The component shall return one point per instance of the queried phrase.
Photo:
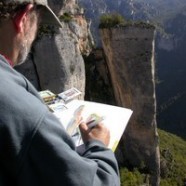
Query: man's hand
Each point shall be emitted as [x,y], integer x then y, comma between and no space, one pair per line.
[98,132]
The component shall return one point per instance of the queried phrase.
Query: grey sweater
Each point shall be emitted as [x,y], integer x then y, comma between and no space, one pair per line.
[35,150]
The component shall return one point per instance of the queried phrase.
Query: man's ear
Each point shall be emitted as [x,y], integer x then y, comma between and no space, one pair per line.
[20,18]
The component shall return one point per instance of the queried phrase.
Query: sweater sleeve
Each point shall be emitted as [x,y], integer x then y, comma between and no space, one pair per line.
[51,159]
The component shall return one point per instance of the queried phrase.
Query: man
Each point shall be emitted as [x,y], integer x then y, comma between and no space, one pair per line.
[34,148]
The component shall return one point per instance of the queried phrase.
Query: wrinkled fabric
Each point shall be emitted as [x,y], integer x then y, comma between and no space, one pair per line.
[35,150]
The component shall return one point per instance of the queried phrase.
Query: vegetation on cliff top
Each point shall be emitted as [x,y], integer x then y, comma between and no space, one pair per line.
[173,164]
[117,20]
[66,17]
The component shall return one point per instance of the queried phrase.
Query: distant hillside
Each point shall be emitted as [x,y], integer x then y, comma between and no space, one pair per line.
[147,10]
[173,164]
[173,159]
[171,68]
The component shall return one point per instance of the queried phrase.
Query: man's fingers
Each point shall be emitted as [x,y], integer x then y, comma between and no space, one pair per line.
[83,127]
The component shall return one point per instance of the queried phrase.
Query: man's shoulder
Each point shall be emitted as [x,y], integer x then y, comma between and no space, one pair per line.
[9,80]
[17,102]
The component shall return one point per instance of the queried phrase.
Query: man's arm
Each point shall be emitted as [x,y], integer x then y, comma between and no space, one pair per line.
[52,160]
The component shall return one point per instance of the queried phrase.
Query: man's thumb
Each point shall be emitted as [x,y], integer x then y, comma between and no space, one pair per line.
[83,127]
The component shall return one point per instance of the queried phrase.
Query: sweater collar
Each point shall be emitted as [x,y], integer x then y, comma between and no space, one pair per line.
[7,60]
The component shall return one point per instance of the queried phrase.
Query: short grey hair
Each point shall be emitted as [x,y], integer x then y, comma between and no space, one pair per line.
[7,10]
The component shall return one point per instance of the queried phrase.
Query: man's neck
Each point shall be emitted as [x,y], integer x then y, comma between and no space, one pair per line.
[7,42]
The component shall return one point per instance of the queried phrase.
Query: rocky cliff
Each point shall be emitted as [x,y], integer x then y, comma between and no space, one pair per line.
[55,61]
[130,59]
[169,16]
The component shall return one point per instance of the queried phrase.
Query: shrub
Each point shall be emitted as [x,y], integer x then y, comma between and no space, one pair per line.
[111,20]
[66,17]
[131,178]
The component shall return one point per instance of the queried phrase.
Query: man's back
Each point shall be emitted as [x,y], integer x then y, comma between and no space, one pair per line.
[35,149]
[20,112]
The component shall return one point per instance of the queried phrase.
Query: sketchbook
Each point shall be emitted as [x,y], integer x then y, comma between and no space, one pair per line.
[115,118]
[67,108]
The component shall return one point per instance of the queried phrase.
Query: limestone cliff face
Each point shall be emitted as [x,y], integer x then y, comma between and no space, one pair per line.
[56,61]
[130,59]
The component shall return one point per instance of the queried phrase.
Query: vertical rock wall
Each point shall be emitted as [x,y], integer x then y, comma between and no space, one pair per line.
[130,59]
[56,62]
[59,62]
